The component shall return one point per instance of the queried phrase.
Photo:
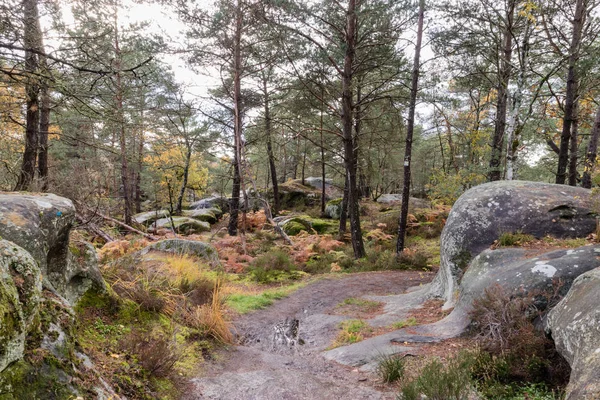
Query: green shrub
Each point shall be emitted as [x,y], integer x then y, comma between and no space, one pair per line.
[272,266]
[439,382]
[390,368]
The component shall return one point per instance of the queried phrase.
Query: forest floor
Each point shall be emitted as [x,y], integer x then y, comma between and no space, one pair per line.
[259,369]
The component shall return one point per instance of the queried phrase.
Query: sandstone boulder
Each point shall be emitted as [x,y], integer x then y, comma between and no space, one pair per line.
[210,215]
[333,209]
[482,214]
[40,224]
[20,294]
[575,327]
[183,225]
[148,217]
[214,201]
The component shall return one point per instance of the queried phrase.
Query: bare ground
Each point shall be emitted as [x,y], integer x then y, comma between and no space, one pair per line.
[259,369]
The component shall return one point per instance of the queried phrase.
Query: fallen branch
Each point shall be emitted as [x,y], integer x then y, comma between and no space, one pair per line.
[128,227]
[93,228]
[121,224]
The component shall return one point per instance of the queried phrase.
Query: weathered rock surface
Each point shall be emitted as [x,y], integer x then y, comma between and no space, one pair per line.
[20,292]
[183,225]
[148,217]
[40,224]
[317,182]
[188,247]
[575,327]
[210,215]
[296,224]
[211,202]
[333,209]
[515,270]
[485,212]
[413,202]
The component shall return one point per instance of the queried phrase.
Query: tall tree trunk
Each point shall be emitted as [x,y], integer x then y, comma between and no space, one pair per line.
[44,117]
[122,134]
[565,137]
[272,168]
[237,124]
[514,129]
[43,139]
[322,157]
[495,172]
[573,146]
[344,209]
[186,173]
[347,133]
[140,166]
[409,132]
[31,41]
[592,150]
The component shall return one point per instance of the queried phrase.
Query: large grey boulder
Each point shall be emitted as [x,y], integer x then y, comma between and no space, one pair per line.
[41,224]
[519,273]
[210,215]
[214,201]
[394,198]
[482,214]
[183,225]
[148,217]
[333,209]
[185,247]
[317,182]
[515,270]
[575,327]
[20,294]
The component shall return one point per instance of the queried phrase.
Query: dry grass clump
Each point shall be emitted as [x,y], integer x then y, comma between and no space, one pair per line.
[156,354]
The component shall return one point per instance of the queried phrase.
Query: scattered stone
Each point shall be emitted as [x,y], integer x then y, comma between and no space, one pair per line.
[575,327]
[482,214]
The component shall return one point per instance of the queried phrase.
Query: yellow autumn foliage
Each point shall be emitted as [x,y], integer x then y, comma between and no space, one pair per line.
[167,167]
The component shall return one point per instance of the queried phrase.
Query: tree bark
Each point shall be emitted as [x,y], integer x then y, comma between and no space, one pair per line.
[44,117]
[495,172]
[186,173]
[347,132]
[565,137]
[322,159]
[514,129]
[122,133]
[592,150]
[573,146]
[409,132]
[268,133]
[32,88]
[237,124]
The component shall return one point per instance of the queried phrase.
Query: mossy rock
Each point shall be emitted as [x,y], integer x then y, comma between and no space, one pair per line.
[333,208]
[147,218]
[20,293]
[183,225]
[295,225]
[210,215]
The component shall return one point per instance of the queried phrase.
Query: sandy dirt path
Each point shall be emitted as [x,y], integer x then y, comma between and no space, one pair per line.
[259,369]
